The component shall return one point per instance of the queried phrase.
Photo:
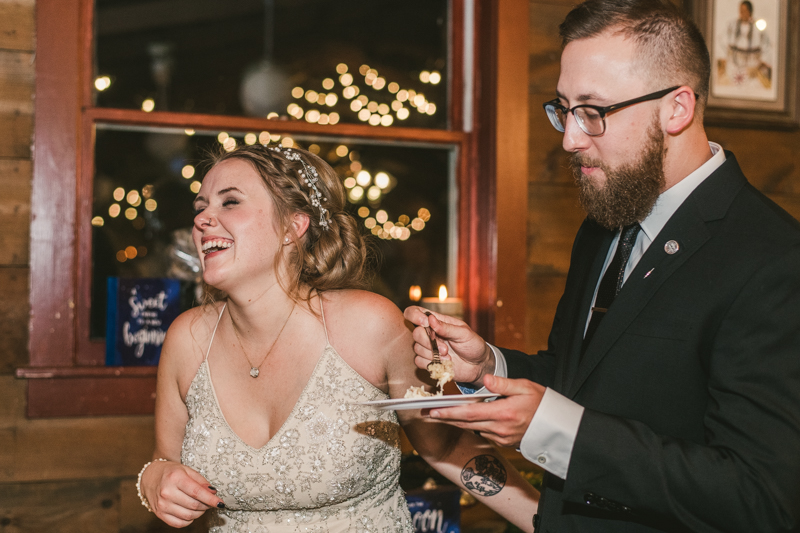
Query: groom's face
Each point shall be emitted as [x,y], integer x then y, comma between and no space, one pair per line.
[620,172]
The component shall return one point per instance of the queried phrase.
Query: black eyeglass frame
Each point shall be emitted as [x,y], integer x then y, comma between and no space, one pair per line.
[601,110]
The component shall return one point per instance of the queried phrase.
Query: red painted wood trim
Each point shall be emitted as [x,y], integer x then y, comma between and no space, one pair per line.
[456,71]
[135,117]
[52,294]
[91,396]
[85,372]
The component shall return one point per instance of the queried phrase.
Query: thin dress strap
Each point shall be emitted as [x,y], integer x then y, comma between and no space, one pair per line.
[322,311]
[215,330]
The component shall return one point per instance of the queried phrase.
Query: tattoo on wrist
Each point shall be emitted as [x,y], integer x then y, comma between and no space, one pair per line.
[484,475]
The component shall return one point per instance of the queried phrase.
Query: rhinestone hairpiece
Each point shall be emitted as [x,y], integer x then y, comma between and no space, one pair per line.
[310,177]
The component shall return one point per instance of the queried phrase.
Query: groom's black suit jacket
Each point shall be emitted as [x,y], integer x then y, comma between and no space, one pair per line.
[691,384]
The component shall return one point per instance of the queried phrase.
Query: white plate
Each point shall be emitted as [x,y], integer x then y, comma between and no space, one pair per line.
[430,402]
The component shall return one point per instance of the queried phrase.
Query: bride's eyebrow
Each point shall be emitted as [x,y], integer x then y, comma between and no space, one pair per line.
[229,189]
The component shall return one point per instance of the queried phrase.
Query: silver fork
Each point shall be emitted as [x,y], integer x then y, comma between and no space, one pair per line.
[434,347]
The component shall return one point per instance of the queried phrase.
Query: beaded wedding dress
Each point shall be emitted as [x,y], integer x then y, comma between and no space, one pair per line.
[332,467]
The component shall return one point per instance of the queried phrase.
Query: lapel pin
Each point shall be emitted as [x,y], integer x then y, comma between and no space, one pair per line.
[671,247]
[649,272]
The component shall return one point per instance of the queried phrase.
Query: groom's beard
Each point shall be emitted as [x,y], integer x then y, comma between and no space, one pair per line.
[630,191]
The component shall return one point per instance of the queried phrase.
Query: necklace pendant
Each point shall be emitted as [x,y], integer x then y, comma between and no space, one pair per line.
[254,372]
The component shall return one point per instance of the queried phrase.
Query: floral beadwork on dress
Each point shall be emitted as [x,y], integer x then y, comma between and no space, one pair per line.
[333,465]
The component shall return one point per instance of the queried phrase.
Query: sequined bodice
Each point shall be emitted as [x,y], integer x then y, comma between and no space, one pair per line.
[333,466]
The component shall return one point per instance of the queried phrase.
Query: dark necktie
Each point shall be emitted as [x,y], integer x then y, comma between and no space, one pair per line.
[612,280]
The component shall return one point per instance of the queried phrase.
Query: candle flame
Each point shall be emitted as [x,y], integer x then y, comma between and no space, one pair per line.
[415,293]
[442,293]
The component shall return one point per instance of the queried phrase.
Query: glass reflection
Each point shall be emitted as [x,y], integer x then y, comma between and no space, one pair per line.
[299,59]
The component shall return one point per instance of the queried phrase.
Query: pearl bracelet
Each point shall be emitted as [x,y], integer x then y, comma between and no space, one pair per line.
[139,483]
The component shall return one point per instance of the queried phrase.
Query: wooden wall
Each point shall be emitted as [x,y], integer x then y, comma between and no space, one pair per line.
[770,160]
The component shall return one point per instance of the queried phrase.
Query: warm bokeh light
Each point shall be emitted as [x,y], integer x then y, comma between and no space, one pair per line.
[373,193]
[313,148]
[383,109]
[272,114]
[403,113]
[98,222]
[356,105]
[333,118]
[393,87]
[442,293]
[147,191]
[195,187]
[370,223]
[363,69]
[341,68]
[363,178]
[417,224]
[312,96]
[331,99]
[229,145]
[761,24]
[102,83]
[382,180]
[222,137]
[119,194]
[114,210]
[131,252]
[363,211]
[342,150]
[374,120]
[356,193]
[403,219]
[424,214]
[187,171]
[287,142]
[189,131]
[387,120]
[350,182]
[323,118]
[373,107]
[435,78]
[298,92]
[121,256]
[349,92]
[364,115]
[131,213]
[415,293]
[151,205]
[424,76]
[402,95]
[379,83]
[133,198]
[148,105]
[327,84]
[381,216]
[250,139]
[312,115]
[263,137]
[321,98]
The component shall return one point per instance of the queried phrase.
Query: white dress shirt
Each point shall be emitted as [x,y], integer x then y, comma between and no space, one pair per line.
[551,435]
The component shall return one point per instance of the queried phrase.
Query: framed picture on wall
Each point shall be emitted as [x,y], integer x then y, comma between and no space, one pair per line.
[754,61]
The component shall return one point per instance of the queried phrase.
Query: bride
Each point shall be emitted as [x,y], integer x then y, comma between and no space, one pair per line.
[258,413]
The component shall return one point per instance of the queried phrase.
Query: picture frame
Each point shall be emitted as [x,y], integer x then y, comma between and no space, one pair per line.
[755,77]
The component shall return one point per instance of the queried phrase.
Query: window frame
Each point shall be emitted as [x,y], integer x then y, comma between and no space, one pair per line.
[66,373]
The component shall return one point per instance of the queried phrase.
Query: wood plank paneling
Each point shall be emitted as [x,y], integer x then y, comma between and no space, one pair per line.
[15,212]
[13,318]
[16,25]
[554,219]
[89,507]
[16,130]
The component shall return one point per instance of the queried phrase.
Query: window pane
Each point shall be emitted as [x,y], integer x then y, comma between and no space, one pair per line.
[325,61]
[145,181]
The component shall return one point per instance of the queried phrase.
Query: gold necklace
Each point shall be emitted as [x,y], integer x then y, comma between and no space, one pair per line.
[254,369]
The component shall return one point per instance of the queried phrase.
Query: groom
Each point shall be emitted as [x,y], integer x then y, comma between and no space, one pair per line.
[668,398]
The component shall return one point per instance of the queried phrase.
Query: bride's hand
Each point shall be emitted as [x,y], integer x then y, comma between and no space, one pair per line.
[177,494]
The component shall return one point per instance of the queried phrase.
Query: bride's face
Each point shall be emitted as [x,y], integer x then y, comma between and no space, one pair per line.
[236,230]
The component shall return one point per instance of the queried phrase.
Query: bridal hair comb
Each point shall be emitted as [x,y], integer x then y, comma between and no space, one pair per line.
[310,177]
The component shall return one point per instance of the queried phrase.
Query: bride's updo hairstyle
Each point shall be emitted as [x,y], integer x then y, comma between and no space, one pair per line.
[331,254]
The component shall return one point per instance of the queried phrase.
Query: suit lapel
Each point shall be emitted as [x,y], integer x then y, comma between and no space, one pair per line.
[688,228]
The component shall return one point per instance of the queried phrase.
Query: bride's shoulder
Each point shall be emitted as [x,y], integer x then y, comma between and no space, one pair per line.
[364,312]
[190,333]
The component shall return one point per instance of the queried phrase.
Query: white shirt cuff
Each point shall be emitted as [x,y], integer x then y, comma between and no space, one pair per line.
[549,439]
[500,369]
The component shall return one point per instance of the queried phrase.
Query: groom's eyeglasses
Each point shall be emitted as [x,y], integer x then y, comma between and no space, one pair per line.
[592,118]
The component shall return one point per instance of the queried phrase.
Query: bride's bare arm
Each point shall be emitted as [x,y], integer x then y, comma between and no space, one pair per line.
[457,454]
[177,494]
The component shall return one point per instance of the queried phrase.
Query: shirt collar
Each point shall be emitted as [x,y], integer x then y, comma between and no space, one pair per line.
[670,200]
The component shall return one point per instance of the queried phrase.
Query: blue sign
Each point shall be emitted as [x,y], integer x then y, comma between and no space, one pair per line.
[139,311]
[436,510]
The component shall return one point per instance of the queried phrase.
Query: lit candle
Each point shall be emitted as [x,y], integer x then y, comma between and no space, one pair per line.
[444,305]
[414,293]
